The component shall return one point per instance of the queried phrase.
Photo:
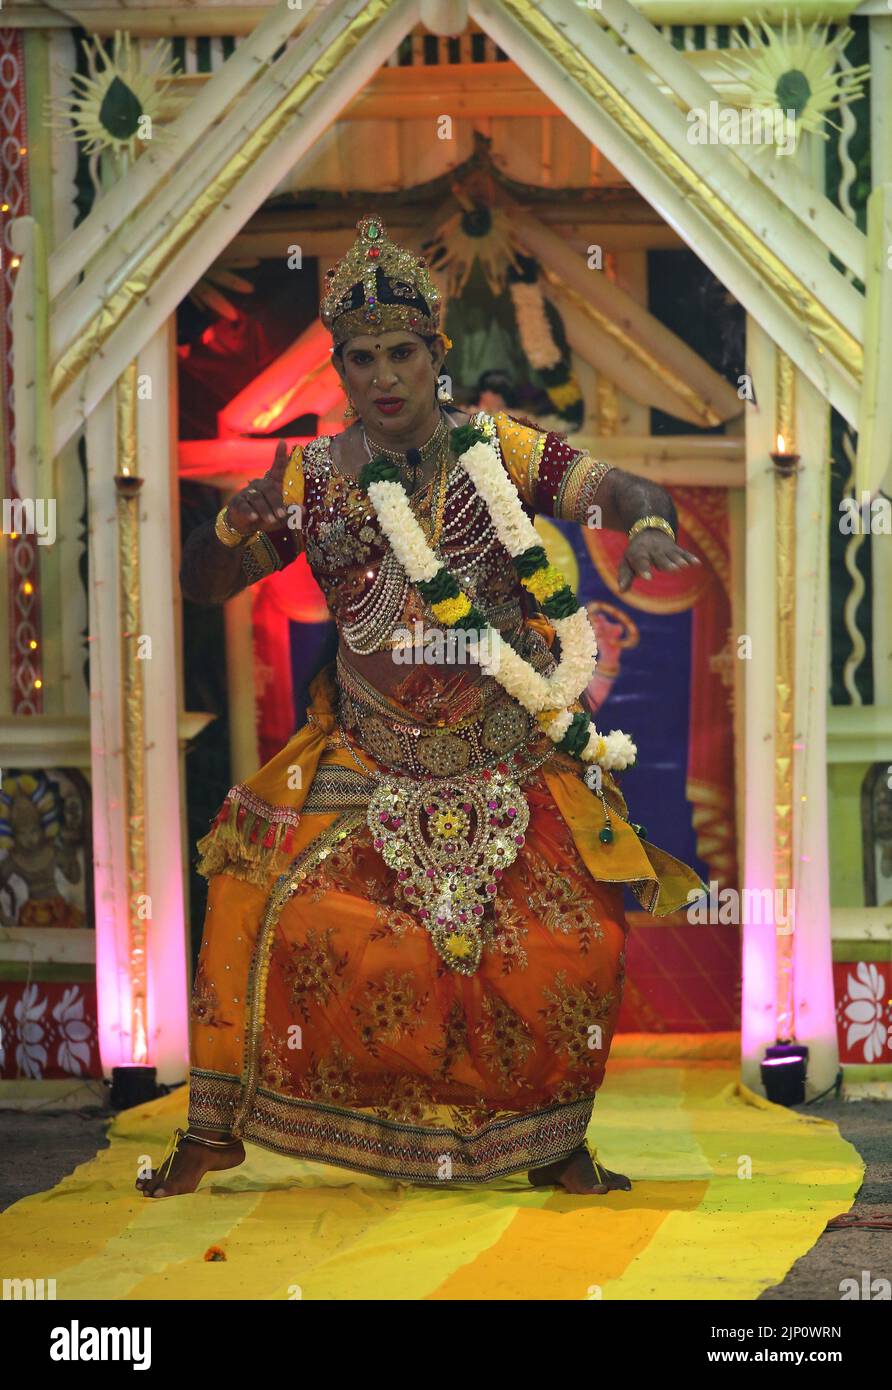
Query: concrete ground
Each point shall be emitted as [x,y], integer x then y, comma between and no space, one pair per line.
[37,1148]
[846,1254]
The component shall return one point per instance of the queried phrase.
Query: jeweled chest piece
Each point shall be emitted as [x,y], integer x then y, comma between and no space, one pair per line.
[450,843]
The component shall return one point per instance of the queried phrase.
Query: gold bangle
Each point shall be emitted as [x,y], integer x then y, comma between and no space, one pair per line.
[645,522]
[226,532]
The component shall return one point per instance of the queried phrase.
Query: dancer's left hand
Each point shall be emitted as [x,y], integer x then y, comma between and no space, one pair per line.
[651,549]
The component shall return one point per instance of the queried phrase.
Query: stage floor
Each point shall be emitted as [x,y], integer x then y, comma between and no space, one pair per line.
[690,1229]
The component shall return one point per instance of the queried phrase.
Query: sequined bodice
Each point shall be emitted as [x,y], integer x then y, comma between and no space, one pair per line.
[368,593]
[346,548]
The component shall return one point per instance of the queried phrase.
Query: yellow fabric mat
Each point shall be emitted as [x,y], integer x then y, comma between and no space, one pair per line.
[691,1228]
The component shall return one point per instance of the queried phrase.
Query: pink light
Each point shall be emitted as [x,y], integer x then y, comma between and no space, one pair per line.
[758,947]
[212,458]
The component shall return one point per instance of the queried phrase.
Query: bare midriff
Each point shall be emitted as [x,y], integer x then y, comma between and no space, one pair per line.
[434,693]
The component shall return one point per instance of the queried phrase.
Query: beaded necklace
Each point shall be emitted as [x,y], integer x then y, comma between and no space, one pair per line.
[433,448]
[373,615]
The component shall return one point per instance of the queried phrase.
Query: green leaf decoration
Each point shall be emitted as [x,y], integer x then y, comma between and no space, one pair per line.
[465,437]
[530,560]
[562,604]
[443,585]
[473,621]
[120,111]
[378,470]
[576,737]
[793,91]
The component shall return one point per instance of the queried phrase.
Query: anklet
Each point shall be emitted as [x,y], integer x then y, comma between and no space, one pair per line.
[211,1143]
[174,1145]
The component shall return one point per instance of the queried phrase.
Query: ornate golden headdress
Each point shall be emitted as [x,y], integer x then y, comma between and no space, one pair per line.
[379,286]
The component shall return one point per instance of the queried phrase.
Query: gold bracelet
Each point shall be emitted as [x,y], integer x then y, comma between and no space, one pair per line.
[226,533]
[644,522]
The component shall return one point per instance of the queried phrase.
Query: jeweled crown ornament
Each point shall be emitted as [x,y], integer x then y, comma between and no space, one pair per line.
[379,286]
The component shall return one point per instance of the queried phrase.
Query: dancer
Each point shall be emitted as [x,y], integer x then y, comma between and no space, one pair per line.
[413,955]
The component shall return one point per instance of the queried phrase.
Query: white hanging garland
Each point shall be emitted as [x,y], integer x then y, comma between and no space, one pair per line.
[548,698]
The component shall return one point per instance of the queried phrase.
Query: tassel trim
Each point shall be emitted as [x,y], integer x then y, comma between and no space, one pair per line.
[249,839]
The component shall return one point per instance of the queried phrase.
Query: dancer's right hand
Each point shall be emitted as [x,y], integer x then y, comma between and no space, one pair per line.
[260,506]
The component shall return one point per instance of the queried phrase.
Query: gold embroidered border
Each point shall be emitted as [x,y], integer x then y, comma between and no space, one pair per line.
[285,885]
[364,1142]
[213,1100]
[533,468]
[578,488]
[336,788]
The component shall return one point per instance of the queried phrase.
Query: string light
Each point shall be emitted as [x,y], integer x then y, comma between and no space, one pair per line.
[27,588]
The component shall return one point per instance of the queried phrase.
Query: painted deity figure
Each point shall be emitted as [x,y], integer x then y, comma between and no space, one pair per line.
[40,839]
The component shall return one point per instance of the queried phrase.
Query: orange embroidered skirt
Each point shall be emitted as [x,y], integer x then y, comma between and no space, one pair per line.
[325,1024]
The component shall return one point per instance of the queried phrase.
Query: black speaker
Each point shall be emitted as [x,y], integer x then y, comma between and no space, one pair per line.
[783,1073]
[132,1086]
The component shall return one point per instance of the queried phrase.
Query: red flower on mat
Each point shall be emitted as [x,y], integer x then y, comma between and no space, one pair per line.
[214,1253]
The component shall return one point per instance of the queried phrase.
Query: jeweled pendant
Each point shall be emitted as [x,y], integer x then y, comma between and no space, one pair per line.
[460,949]
[450,841]
[593,777]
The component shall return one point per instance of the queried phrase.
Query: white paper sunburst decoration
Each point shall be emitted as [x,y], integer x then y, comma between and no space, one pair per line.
[797,70]
[476,233]
[116,106]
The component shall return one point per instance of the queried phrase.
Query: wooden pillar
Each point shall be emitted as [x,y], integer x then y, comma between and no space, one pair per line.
[814,1008]
[814,1018]
[167,1007]
[106,765]
[167,937]
[881,172]
[757,939]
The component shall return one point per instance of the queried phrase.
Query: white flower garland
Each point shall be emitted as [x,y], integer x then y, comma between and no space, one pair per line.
[536,337]
[407,540]
[579,649]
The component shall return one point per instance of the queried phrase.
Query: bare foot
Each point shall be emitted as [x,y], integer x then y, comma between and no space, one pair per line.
[581,1176]
[185,1170]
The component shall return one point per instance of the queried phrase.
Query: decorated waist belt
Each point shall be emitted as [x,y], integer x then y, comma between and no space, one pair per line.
[455,820]
[427,751]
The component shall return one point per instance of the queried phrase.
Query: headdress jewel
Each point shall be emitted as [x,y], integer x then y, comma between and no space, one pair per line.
[379,286]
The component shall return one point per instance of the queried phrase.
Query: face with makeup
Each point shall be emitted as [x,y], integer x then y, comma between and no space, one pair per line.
[392,380]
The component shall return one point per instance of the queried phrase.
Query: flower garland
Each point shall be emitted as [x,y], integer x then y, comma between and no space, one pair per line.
[537,340]
[552,699]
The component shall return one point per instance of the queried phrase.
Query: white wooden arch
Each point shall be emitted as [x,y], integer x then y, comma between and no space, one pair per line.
[761,229]
[104,297]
